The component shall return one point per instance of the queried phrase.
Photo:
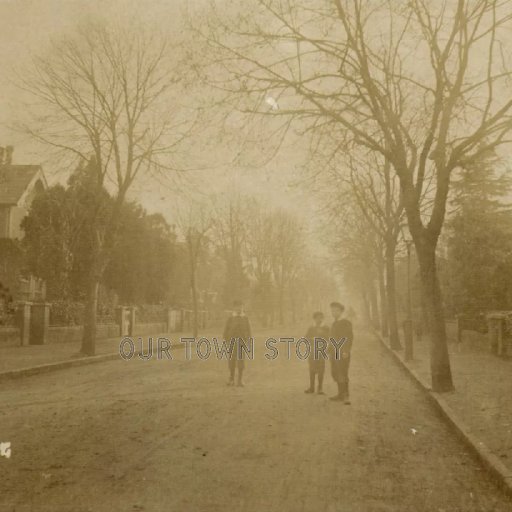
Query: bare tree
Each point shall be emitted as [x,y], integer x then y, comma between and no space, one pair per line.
[287,253]
[377,196]
[104,95]
[229,233]
[195,222]
[260,239]
[358,253]
[424,84]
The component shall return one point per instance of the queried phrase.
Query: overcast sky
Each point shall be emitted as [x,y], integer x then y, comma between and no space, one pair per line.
[26,27]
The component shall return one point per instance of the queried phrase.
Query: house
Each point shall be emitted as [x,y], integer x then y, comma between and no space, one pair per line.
[19,184]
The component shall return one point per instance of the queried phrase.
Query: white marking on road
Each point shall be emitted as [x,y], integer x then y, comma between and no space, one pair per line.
[5,450]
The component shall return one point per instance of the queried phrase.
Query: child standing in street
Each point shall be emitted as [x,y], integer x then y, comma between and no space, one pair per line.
[316,361]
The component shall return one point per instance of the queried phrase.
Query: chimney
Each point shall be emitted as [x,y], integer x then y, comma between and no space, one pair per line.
[9,150]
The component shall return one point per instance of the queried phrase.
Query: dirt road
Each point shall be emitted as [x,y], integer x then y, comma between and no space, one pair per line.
[171,436]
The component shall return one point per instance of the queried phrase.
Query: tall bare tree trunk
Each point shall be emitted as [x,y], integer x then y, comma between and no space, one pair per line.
[293,307]
[95,273]
[91,308]
[384,325]
[195,306]
[394,338]
[366,307]
[431,290]
[281,305]
[425,242]
[374,307]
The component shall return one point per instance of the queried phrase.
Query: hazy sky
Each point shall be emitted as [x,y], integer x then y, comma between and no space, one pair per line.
[26,27]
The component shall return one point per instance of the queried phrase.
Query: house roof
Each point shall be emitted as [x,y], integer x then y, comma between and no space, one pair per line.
[14,181]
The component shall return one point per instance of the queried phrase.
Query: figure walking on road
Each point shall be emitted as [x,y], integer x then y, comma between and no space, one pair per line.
[316,361]
[237,332]
[341,328]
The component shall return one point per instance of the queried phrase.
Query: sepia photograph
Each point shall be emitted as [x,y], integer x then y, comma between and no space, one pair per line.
[256,256]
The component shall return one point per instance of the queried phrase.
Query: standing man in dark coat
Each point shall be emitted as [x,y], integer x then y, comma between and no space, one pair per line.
[341,328]
[236,333]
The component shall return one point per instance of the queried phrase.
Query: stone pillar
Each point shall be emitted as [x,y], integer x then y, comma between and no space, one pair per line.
[131,320]
[39,323]
[24,322]
[171,320]
[120,321]
[183,323]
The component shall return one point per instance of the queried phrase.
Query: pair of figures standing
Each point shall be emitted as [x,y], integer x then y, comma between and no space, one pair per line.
[341,329]
[238,328]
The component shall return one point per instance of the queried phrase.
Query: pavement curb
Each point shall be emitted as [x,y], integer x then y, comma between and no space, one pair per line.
[59,365]
[500,473]
[62,365]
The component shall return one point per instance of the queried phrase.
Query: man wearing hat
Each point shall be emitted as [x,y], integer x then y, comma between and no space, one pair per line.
[341,329]
[236,333]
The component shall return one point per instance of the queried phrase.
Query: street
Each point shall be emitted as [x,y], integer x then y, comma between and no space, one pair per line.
[165,435]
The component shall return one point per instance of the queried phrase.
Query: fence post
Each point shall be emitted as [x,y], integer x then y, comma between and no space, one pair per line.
[24,322]
[172,320]
[132,319]
[121,320]
[39,323]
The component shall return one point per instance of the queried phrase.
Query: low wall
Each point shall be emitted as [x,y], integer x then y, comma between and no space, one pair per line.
[73,333]
[9,336]
[103,331]
[151,328]
[472,339]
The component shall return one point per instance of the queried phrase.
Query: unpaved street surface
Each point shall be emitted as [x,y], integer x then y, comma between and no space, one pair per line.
[171,436]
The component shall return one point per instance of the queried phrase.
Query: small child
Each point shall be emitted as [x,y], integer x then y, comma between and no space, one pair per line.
[316,366]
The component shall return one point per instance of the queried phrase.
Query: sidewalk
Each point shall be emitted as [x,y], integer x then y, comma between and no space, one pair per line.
[483,393]
[18,357]
[13,358]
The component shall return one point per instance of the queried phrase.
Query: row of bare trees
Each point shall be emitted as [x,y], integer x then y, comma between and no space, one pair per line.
[395,95]
[421,85]
[267,257]
[112,95]
[365,217]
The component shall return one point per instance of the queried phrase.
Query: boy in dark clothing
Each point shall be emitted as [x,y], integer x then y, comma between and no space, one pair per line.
[316,364]
[341,328]
[236,332]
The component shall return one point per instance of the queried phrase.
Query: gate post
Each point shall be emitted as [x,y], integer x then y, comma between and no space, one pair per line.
[24,322]
[132,317]
[39,323]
